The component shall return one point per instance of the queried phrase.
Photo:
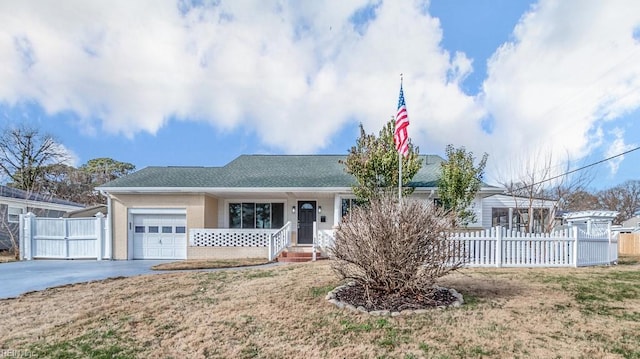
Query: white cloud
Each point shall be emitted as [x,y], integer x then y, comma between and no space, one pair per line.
[572,66]
[616,147]
[284,70]
[296,73]
[70,157]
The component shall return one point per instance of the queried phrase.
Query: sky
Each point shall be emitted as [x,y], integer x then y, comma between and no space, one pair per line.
[198,83]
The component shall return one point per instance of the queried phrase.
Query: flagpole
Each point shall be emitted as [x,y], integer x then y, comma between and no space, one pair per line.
[399,158]
[400,177]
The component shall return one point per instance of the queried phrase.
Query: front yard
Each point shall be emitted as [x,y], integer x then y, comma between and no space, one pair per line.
[280,312]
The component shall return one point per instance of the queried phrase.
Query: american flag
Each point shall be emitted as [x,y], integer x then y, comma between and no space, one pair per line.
[400,135]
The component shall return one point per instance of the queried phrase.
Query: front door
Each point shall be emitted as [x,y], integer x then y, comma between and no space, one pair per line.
[306,217]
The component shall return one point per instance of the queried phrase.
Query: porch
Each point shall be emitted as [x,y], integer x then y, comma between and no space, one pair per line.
[223,243]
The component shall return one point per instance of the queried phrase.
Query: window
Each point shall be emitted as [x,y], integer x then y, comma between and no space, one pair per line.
[347,204]
[153,229]
[256,215]
[167,229]
[139,229]
[248,215]
[520,219]
[13,214]
[500,217]
[181,229]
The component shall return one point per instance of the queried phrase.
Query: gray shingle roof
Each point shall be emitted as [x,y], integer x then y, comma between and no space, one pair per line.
[10,192]
[264,171]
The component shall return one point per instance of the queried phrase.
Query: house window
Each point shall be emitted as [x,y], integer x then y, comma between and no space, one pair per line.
[256,215]
[346,205]
[500,217]
[13,214]
[520,219]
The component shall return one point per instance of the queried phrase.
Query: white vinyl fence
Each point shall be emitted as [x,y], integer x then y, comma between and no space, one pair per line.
[500,247]
[63,238]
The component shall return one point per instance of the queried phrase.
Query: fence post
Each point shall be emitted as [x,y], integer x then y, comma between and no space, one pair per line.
[21,237]
[575,245]
[29,218]
[499,246]
[99,235]
[609,246]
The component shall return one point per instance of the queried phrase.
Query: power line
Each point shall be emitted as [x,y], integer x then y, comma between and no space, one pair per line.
[575,170]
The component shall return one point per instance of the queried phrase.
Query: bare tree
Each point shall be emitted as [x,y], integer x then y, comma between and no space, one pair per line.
[582,200]
[25,153]
[539,180]
[624,198]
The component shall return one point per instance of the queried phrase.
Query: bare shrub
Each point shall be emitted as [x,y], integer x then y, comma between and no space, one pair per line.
[392,249]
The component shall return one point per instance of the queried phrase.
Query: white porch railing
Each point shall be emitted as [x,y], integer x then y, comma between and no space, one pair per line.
[275,239]
[499,247]
[323,242]
[279,241]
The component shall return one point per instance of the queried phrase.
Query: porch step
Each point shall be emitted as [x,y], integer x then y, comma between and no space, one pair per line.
[293,256]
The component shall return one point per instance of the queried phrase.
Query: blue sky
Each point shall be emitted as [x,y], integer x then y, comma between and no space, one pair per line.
[201,82]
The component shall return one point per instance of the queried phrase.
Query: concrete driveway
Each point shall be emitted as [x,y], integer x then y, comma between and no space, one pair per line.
[22,277]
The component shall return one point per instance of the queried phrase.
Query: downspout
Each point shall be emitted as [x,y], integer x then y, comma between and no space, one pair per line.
[109,244]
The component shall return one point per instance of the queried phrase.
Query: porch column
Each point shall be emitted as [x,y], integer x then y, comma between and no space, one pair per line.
[510,218]
[337,209]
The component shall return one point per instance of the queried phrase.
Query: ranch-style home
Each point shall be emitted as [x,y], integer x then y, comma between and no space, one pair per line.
[251,207]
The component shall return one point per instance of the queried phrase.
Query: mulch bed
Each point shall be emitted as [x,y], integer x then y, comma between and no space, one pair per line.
[426,299]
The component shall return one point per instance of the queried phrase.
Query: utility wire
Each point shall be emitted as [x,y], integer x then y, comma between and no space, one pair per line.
[575,170]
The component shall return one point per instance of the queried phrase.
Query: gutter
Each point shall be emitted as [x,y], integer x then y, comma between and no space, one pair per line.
[221,189]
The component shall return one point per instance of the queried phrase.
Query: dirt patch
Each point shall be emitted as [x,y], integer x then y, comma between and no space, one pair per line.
[210,264]
[357,296]
[282,312]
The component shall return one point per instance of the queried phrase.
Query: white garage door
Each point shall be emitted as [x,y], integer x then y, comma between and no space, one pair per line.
[159,236]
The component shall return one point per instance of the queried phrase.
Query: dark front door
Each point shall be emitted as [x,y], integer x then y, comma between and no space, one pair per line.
[306,217]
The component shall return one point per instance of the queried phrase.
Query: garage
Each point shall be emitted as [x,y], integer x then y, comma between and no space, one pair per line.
[159,235]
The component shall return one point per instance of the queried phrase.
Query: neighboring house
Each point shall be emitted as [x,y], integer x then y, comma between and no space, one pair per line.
[152,211]
[14,202]
[513,212]
[632,224]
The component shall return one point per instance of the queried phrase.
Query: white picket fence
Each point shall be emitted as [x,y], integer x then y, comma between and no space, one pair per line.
[500,247]
[63,238]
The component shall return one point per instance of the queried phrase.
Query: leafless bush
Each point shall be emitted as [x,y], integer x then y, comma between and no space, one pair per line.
[392,249]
